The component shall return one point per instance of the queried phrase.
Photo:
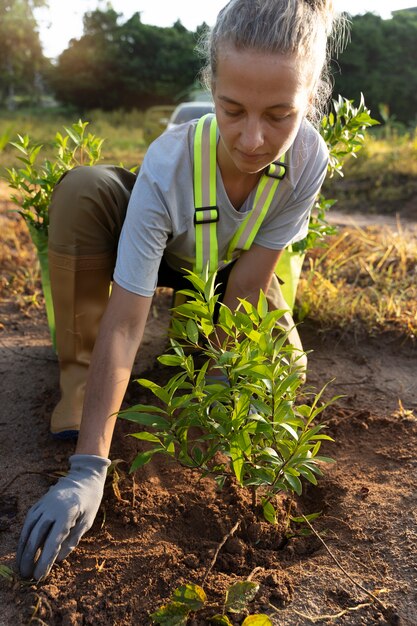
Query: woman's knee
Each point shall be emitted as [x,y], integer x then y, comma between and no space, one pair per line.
[88,207]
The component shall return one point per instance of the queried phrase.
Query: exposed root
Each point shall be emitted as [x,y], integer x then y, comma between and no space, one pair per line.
[318,618]
[388,612]
[219,547]
[20,474]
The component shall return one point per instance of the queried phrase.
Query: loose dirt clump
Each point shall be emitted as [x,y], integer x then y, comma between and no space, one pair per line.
[163,526]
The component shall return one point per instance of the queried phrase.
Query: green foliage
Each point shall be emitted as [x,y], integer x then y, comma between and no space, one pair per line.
[267,441]
[128,64]
[4,138]
[21,58]
[379,61]
[343,130]
[35,181]
[190,598]
[239,595]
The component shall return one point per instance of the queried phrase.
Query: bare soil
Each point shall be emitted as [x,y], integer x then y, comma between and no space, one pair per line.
[166,525]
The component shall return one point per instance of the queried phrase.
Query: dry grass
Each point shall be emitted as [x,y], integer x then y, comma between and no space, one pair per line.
[122,133]
[19,268]
[383,179]
[365,282]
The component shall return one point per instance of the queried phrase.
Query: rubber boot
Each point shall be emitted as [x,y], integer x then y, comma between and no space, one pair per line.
[80,292]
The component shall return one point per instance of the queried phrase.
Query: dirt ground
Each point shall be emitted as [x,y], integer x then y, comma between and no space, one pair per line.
[166,526]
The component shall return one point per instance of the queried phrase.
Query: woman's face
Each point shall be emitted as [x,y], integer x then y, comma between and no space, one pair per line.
[260,99]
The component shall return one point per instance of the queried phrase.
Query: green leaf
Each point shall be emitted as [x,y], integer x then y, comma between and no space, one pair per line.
[301,520]
[195,280]
[143,458]
[146,437]
[191,595]
[170,359]
[269,512]
[198,455]
[146,419]
[325,459]
[7,573]
[192,331]
[171,614]
[239,595]
[262,307]
[257,620]
[308,474]
[157,390]
[209,287]
[290,429]
[236,455]
[294,482]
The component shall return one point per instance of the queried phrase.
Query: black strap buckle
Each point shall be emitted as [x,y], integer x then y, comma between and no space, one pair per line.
[201,219]
[277,169]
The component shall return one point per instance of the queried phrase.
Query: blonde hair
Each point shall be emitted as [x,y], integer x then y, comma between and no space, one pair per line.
[309,29]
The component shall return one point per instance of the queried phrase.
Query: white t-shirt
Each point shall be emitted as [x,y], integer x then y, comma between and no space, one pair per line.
[160,216]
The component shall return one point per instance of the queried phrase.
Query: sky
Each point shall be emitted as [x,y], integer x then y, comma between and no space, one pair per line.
[63,20]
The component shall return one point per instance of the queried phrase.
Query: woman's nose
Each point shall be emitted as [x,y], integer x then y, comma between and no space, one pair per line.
[251,137]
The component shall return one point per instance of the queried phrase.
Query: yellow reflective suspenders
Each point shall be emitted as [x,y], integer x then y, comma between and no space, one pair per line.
[206,213]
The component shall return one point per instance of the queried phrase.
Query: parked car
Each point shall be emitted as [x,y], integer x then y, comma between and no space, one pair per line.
[187,111]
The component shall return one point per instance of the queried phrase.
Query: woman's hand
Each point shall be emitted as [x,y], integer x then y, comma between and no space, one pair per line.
[56,523]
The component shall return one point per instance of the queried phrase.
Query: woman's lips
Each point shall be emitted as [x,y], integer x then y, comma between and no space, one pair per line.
[250,157]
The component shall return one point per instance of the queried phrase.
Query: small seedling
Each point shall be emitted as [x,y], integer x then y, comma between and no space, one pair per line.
[252,429]
[34,182]
[190,598]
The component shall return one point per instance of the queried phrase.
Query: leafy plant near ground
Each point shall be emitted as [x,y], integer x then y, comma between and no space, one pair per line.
[190,599]
[251,429]
[35,182]
[343,130]
[364,282]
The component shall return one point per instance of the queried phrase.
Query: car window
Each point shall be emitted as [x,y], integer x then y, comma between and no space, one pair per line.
[186,114]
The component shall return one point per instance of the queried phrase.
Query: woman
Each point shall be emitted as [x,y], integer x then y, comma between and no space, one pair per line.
[266,60]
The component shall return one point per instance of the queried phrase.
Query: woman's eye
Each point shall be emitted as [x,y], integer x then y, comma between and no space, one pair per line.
[281,118]
[231,113]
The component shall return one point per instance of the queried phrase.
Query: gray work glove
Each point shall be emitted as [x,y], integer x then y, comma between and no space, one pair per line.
[56,523]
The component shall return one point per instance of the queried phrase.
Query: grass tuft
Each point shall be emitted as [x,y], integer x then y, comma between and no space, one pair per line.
[365,282]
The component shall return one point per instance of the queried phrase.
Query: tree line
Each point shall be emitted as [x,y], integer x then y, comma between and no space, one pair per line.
[129,64]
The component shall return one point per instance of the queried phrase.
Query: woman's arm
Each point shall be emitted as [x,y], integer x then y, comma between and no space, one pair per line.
[121,331]
[56,523]
[252,272]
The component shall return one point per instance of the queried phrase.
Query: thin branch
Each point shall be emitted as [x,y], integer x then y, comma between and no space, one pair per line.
[22,355]
[319,618]
[387,611]
[7,485]
[253,572]
[219,547]
[133,491]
